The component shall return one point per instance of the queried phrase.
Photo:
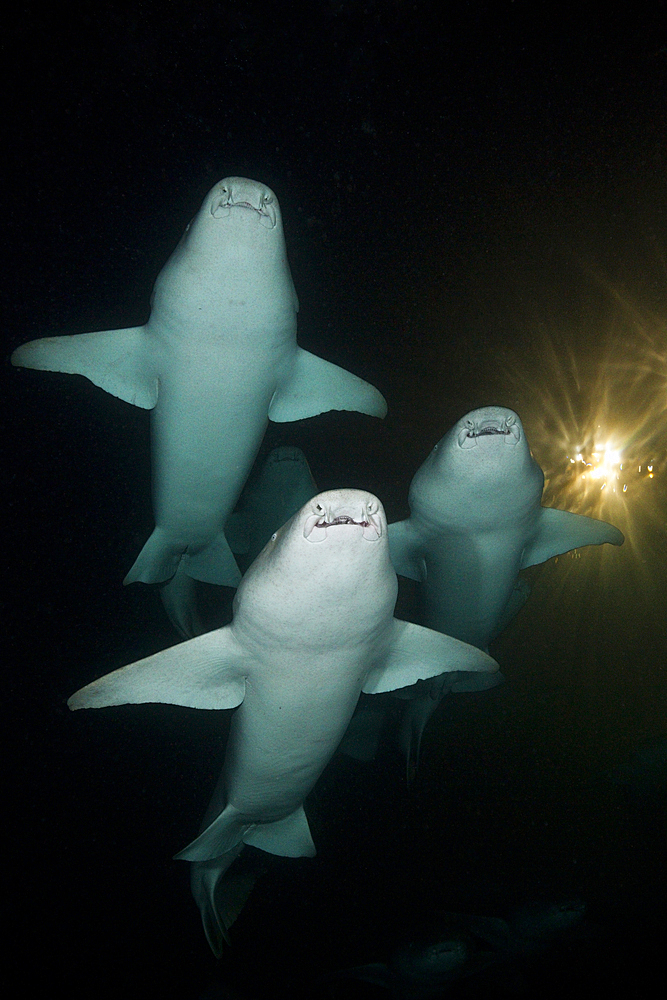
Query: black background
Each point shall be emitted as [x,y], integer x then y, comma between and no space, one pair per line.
[475,211]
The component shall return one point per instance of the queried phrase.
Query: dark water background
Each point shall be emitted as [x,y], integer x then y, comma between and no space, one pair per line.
[475,212]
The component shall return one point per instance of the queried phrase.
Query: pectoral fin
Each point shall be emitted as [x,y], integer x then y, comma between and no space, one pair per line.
[206,672]
[416,653]
[468,682]
[560,531]
[315,386]
[118,361]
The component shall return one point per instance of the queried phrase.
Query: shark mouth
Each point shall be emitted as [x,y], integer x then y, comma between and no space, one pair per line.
[322,518]
[265,209]
[343,519]
[505,427]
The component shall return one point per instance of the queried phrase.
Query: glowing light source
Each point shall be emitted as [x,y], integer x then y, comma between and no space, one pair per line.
[602,464]
[596,417]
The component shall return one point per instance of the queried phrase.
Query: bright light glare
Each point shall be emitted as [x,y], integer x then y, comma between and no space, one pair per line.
[601,467]
[596,419]
[594,407]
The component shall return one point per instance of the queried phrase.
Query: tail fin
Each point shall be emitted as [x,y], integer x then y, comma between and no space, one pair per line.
[157,561]
[221,896]
[160,558]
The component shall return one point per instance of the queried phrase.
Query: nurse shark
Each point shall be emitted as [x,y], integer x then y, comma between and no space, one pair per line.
[216,360]
[476,520]
[313,627]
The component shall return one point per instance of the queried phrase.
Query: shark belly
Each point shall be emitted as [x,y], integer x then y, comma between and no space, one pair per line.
[469,580]
[204,445]
[279,745]
[206,429]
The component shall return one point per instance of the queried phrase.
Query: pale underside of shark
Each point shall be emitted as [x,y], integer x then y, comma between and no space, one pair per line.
[216,360]
[313,627]
[476,520]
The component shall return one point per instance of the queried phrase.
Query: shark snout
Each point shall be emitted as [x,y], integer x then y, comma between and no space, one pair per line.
[242,193]
[335,511]
[505,425]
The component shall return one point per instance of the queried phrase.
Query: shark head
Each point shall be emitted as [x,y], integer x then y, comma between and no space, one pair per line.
[350,525]
[236,211]
[348,509]
[480,470]
[234,196]
[489,423]
[330,561]
[232,257]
